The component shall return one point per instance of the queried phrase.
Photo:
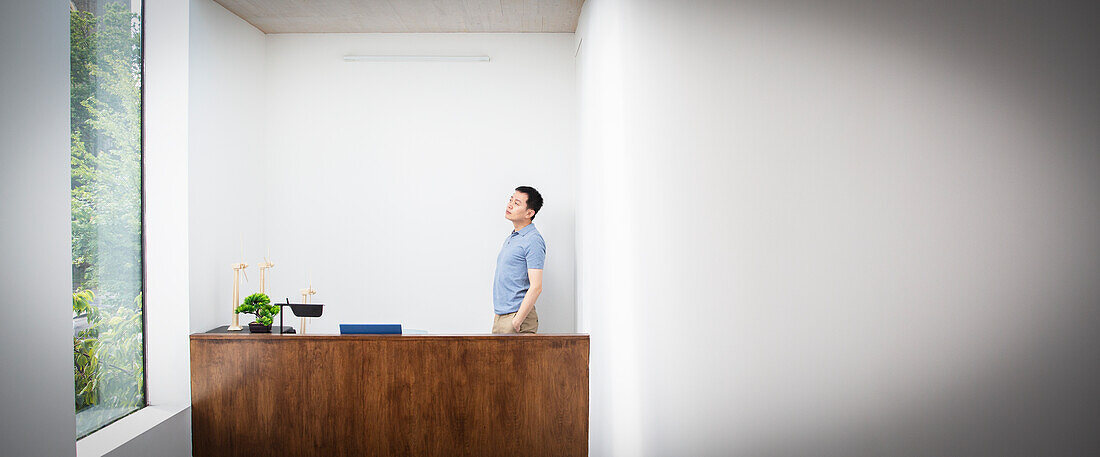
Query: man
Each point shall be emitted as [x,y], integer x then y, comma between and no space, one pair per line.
[518,280]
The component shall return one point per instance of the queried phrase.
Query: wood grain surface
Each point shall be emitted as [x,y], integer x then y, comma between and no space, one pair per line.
[379,395]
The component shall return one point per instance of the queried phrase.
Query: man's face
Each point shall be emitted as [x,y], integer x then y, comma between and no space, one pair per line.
[517,208]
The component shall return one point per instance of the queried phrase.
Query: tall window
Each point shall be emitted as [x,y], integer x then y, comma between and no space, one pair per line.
[106,115]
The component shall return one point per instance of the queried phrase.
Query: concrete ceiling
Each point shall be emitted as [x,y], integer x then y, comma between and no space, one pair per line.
[408,16]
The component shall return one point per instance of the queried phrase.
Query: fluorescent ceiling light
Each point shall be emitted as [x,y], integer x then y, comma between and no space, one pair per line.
[416,58]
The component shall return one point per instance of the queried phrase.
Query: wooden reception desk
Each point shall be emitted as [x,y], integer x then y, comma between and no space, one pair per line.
[378,395]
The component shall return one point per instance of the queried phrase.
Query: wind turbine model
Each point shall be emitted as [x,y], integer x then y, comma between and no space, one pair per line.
[238,268]
[306,293]
[263,274]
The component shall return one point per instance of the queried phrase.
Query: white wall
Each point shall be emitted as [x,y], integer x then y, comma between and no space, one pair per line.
[387,182]
[606,250]
[227,160]
[36,388]
[169,438]
[165,157]
[859,229]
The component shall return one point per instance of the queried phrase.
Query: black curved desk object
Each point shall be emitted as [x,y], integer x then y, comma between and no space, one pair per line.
[300,310]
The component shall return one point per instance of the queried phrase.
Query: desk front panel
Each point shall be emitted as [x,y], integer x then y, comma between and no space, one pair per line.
[308,395]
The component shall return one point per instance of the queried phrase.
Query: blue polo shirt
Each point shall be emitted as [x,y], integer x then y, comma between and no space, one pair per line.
[522,250]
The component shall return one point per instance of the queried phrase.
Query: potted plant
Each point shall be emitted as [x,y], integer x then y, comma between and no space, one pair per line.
[260,306]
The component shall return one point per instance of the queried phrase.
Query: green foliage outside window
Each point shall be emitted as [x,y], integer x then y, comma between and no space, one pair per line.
[106,185]
[121,355]
[86,351]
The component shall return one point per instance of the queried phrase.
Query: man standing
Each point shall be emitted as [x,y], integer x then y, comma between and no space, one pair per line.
[518,280]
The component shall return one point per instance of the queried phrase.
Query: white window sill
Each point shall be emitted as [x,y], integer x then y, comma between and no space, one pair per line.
[120,432]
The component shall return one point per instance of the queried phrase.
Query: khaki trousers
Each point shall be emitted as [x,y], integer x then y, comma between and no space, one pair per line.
[502,323]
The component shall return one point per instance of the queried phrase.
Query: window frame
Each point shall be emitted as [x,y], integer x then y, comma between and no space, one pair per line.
[144,264]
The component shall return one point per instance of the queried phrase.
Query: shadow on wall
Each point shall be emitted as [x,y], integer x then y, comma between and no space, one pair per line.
[864,228]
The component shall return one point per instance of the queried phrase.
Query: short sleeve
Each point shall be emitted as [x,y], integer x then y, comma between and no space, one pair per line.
[535,254]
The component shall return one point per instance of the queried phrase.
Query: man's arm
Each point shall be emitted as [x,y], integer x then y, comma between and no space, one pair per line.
[529,299]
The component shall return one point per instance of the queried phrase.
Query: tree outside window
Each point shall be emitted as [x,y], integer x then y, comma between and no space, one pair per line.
[107,258]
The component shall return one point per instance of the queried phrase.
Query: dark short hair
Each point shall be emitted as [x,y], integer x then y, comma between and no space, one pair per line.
[534,199]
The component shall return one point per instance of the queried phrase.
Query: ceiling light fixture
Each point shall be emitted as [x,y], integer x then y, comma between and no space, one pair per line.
[416,58]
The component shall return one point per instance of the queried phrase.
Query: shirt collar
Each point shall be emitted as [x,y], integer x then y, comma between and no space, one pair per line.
[525,230]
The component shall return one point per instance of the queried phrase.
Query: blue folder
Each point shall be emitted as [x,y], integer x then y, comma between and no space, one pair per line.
[370,329]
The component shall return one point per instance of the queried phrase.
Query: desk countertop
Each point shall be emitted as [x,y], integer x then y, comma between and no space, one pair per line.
[260,336]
